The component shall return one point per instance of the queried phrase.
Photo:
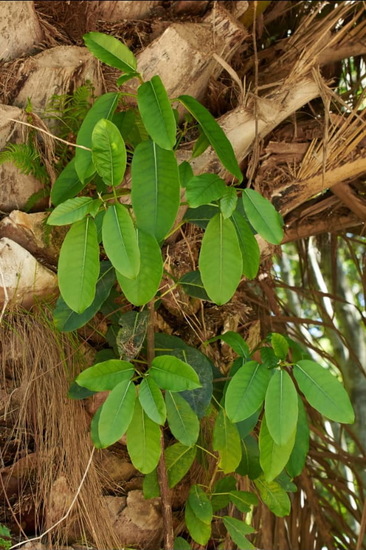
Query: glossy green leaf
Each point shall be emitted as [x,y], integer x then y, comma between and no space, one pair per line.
[106,375]
[273,496]
[220,261]
[150,485]
[199,531]
[103,107]
[73,210]
[125,78]
[323,391]
[67,320]
[200,504]
[273,457]
[142,289]
[94,429]
[185,173]
[157,113]
[249,464]
[120,240]
[203,189]
[78,265]
[193,286]
[108,152]
[246,391]
[152,400]
[248,245]
[143,441]
[181,544]
[214,134]
[228,202]
[263,216]
[280,345]
[155,189]
[237,530]
[226,441]
[202,215]
[67,184]
[110,51]
[269,359]
[246,426]
[296,462]
[117,412]
[170,373]
[281,407]
[182,421]
[178,460]
[77,392]
[235,341]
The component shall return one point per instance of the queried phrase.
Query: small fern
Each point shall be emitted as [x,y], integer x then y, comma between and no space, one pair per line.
[26,158]
[5,543]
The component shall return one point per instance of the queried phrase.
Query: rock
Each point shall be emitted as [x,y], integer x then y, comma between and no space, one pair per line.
[9,130]
[16,188]
[140,522]
[61,70]
[19,29]
[115,467]
[31,232]
[22,278]
[113,11]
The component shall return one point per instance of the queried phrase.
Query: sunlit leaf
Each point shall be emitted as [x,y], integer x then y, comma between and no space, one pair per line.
[111,51]
[143,441]
[273,457]
[106,375]
[281,407]
[178,459]
[226,441]
[108,152]
[152,400]
[183,422]
[263,216]
[116,413]
[170,373]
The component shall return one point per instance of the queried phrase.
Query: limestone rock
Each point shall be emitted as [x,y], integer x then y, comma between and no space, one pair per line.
[31,232]
[19,29]
[60,70]
[22,278]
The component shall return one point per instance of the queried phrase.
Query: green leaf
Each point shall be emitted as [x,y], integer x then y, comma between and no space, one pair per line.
[73,210]
[269,359]
[143,441]
[323,391]
[226,441]
[105,376]
[249,464]
[103,107]
[185,173]
[108,152]
[125,78]
[155,191]
[199,531]
[280,345]
[246,391]
[142,289]
[150,485]
[77,392]
[67,185]
[94,429]
[221,492]
[248,245]
[120,241]
[235,341]
[157,113]
[220,261]
[263,216]
[300,451]
[237,530]
[178,460]
[273,496]
[66,320]
[200,146]
[281,407]
[214,134]
[110,51]
[132,333]
[228,202]
[242,500]
[200,504]
[78,265]
[193,286]
[246,426]
[183,422]
[273,457]
[181,544]
[170,373]
[203,189]
[116,413]
[152,400]
[202,215]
